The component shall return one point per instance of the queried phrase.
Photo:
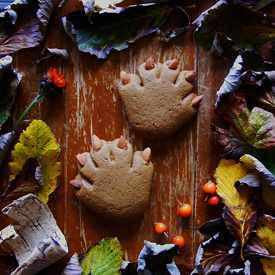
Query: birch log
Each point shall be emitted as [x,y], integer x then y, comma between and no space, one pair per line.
[35,238]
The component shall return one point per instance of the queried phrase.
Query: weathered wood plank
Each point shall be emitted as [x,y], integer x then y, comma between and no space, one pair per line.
[91,105]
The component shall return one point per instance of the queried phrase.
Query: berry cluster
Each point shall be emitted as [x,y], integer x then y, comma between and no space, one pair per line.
[185,210]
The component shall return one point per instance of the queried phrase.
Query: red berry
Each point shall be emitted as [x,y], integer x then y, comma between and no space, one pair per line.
[210,187]
[160,227]
[179,241]
[214,200]
[185,210]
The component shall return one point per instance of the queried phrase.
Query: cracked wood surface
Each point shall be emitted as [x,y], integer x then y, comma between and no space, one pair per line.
[91,105]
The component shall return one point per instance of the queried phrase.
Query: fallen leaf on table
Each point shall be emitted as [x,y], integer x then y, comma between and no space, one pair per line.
[246,27]
[218,252]
[233,146]
[212,227]
[249,130]
[73,268]
[37,141]
[116,28]
[5,142]
[9,80]
[227,174]
[27,181]
[239,212]
[263,178]
[252,76]
[105,256]
[265,232]
[157,259]
[49,52]
[27,27]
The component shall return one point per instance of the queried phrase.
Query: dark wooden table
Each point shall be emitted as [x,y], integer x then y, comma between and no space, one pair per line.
[91,105]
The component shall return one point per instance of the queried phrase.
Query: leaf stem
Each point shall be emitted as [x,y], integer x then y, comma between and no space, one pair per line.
[38,98]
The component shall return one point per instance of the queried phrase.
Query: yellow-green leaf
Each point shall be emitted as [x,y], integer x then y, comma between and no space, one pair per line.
[239,213]
[265,232]
[37,141]
[103,258]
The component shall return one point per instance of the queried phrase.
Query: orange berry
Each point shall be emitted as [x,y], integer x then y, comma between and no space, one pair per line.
[179,241]
[214,200]
[210,187]
[160,227]
[185,210]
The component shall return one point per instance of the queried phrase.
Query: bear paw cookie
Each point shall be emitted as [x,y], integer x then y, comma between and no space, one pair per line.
[159,101]
[114,181]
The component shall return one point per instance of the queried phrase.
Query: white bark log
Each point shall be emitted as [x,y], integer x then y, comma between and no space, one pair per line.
[35,237]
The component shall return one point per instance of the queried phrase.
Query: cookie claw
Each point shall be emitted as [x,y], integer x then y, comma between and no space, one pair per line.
[81,159]
[149,64]
[190,76]
[173,65]
[122,143]
[146,154]
[197,100]
[76,183]
[96,142]
[125,78]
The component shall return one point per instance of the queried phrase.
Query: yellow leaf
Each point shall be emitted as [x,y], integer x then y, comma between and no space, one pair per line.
[239,213]
[265,232]
[38,142]
[227,173]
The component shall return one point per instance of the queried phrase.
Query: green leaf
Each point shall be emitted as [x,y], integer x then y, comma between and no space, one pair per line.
[9,80]
[116,29]
[27,26]
[38,142]
[256,127]
[246,27]
[102,258]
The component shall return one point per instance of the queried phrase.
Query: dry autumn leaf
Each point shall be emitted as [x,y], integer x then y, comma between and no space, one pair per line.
[25,182]
[227,173]
[37,141]
[239,213]
[261,177]
[265,232]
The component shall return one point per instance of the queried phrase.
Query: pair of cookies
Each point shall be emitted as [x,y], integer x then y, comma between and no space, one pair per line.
[113,180]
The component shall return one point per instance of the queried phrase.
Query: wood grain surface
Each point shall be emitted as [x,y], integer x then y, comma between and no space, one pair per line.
[91,105]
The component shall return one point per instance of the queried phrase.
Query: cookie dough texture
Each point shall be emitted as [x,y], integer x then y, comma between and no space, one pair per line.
[113,180]
[159,101]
